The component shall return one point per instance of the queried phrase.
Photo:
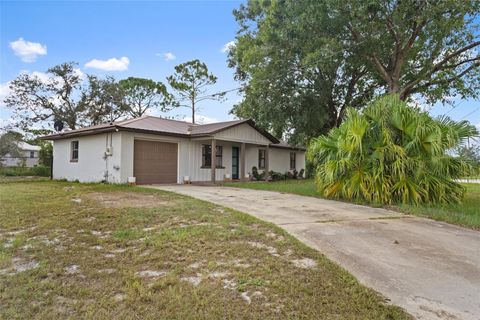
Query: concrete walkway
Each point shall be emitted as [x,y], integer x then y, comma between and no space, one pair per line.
[431,269]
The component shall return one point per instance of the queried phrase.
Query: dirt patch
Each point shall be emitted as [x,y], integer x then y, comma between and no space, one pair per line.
[150,273]
[125,199]
[72,269]
[194,280]
[271,250]
[20,265]
[305,263]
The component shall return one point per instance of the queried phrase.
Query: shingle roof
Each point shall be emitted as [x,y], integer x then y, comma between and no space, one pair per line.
[158,125]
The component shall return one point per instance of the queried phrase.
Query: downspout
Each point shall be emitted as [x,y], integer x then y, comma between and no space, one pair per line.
[105,175]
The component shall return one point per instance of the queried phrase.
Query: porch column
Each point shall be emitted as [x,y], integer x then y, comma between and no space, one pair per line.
[267,160]
[213,156]
[242,162]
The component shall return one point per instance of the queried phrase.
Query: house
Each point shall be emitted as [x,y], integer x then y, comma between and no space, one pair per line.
[156,150]
[29,156]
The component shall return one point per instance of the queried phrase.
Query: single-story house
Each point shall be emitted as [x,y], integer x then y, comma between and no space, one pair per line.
[28,156]
[156,150]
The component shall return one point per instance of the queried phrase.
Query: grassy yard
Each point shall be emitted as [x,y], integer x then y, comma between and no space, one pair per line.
[40,171]
[465,214]
[99,251]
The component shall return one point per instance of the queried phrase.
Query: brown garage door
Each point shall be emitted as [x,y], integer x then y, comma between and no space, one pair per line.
[155,162]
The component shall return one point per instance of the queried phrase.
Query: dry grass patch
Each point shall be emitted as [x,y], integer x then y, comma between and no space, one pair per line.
[176,257]
[123,199]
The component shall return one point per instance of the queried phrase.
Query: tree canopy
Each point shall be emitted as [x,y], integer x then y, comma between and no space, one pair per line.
[142,95]
[34,99]
[103,100]
[302,63]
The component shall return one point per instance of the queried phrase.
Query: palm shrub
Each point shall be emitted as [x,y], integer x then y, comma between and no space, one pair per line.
[391,153]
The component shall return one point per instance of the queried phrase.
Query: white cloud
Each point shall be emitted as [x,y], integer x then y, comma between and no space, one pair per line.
[228,46]
[112,64]
[28,51]
[169,56]
[199,119]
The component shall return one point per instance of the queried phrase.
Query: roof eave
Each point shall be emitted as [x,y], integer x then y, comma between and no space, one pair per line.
[66,135]
[288,147]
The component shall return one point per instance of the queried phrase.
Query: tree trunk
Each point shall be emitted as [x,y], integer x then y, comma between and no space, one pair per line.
[193,112]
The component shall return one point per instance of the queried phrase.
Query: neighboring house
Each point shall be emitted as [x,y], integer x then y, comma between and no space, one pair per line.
[29,156]
[156,150]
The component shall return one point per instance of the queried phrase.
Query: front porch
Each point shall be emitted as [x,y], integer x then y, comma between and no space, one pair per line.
[232,160]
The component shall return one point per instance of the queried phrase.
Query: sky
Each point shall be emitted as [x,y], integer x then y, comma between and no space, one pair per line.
[133,38]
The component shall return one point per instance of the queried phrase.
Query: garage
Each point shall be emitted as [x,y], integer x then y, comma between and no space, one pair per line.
[155,162]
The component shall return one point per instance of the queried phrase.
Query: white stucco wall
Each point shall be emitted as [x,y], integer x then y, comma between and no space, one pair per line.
[279,159]
[26,159]
[92,165]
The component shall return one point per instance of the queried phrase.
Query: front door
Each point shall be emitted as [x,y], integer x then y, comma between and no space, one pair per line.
[235,162]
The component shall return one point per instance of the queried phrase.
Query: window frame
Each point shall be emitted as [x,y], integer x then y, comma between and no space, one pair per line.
[207,155]
[32,154]
[262,157]
[74,149]
[293,158]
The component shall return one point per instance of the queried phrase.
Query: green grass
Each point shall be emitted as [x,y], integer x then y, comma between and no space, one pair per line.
[106,252]
[302,187]
[466,214]
[40,171]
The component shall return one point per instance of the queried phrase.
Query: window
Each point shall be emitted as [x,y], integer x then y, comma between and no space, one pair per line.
[32,154]
[74,151]
[261,159]
[207,156]
[292,161]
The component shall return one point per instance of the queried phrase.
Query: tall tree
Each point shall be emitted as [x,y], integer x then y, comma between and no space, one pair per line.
[301,63]
[62,94]
[190,82]
[34,99]
[141,95]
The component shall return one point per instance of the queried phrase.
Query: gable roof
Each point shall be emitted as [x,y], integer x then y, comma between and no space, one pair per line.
[22,145]
[161,126]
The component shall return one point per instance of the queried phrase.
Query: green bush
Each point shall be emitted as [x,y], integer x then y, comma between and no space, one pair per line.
[24,171]
[391,153]
[275,176]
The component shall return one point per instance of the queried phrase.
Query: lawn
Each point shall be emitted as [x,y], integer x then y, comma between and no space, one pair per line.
[70,250]
[40,171]
[465,214]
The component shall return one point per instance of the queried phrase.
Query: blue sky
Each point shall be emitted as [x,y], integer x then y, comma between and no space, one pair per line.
[142,32]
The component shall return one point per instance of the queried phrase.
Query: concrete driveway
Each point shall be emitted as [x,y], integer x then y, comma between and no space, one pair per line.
[431,269]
